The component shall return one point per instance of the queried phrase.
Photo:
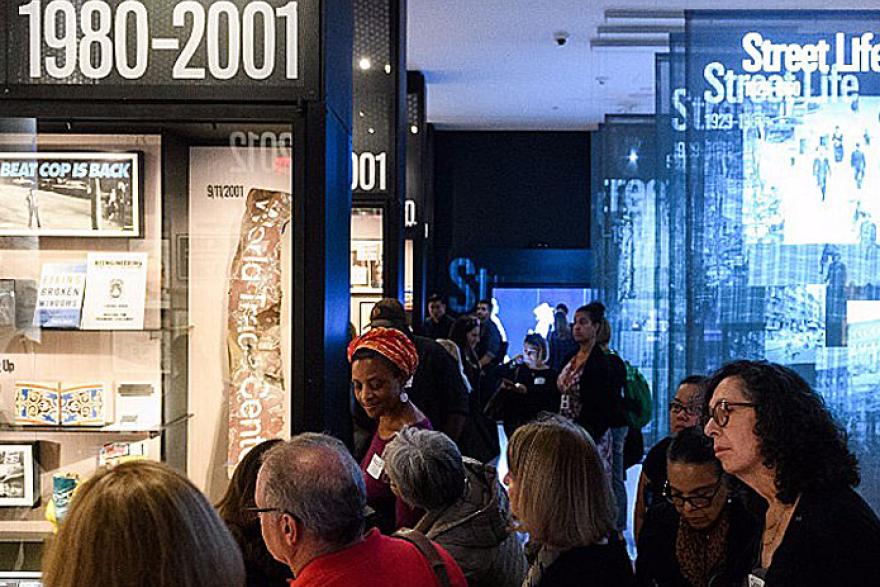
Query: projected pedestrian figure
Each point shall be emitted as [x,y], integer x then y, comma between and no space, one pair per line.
[835,296]
[837,144]
[857,160]
[821,167]
[33,206]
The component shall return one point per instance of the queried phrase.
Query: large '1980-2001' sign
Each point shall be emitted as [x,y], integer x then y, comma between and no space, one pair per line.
[191,44]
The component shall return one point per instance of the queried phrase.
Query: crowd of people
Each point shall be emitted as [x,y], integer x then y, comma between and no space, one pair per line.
[754,486]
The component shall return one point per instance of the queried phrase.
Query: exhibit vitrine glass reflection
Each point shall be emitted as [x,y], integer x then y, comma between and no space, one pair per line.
[145,297]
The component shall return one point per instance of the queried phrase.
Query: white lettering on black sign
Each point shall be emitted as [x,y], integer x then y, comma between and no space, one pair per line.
[369,171]
[94,39]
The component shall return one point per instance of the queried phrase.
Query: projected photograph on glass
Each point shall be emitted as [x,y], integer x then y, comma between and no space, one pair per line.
[813,175]
[523,310]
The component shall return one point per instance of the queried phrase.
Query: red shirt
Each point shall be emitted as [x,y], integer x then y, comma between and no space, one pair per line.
[377,561]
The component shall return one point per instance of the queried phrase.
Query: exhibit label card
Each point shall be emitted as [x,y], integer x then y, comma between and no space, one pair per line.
[116,289]
[60,296]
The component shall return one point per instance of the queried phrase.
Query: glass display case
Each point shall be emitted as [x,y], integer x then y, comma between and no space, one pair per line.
[128,256]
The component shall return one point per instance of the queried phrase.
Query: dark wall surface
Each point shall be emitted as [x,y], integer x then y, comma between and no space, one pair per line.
[512,189]
[514,207]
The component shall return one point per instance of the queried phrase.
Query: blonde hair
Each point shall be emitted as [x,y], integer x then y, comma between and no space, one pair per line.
[141,523]
[562,495]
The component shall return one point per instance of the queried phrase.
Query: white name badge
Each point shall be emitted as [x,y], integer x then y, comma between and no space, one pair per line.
[755,581]
[540,381]
[377,465]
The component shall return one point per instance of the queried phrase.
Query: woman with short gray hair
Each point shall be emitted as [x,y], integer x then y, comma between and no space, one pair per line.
[468,512]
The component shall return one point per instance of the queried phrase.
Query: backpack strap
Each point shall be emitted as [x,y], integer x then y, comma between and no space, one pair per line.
[429,551]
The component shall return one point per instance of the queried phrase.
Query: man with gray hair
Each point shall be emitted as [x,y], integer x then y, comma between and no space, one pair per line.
[467,510]
[310,497]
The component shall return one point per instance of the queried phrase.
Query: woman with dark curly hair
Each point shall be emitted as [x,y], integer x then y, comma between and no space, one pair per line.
[774,433]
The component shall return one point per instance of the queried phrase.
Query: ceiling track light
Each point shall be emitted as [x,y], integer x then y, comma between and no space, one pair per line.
[651,43]
[642,14]
[638,28]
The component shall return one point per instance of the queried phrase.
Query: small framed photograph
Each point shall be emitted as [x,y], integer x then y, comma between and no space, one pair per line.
[19,478]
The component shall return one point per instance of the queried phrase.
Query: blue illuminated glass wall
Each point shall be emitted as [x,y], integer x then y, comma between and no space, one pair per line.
[783,189]
[630,220]
[741,220]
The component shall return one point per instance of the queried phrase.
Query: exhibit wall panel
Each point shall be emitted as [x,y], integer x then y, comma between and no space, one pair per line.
[215,230]
[631,248]
[785,257]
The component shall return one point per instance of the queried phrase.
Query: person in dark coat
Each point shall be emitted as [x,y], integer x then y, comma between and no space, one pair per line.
[561,495]
[437,323]
[479,439]
[775,434]
[588,385]
[685,411]
[695,537]
[528,385]
[562,343]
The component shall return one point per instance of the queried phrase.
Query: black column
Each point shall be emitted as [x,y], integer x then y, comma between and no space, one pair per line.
[322,215]
[379,105]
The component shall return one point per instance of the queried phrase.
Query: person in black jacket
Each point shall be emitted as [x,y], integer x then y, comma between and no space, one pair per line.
[437,387]
[685,411]
[589,388]
[695,537]
[437,323]
[528,385]
[619,427]
[775,434]
[560,495]
[479,439]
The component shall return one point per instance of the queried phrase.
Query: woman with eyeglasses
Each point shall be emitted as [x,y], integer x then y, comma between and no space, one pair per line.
[685,411]
[775,434]
[695,537]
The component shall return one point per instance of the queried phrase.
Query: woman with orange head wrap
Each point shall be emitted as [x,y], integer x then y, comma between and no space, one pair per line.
[383,362]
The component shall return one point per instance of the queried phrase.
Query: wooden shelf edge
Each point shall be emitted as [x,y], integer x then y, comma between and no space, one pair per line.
[25,529]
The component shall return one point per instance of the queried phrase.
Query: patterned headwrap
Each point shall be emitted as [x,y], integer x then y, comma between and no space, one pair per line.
[391,344]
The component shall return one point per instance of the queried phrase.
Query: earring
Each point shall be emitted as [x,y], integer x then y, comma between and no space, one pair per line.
[404,397]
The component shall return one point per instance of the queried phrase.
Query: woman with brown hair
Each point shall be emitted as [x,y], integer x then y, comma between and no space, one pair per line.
[561,496]
[261,568]
[588,385]
[383,362]
[142,523]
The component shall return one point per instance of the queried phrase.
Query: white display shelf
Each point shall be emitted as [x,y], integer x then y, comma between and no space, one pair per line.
[78,430]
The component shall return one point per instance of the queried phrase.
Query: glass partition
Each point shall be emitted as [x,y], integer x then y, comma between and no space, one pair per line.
[129,253]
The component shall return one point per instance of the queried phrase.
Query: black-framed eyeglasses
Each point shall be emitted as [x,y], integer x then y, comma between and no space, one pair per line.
[677,407]
[721,411]
[698,502]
